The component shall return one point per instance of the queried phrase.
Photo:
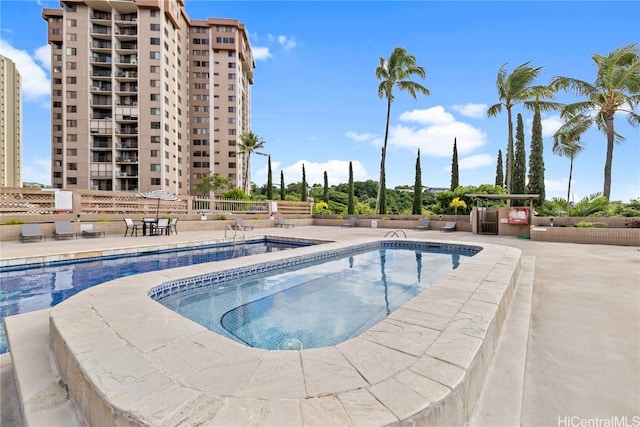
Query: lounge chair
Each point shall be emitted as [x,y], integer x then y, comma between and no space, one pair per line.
[31,231]
[283,224]
[173,225]
[351,223]
[161,226]
[240,225]
[88,231]
[63,230]
[449,226]
[128,222]
[423,225]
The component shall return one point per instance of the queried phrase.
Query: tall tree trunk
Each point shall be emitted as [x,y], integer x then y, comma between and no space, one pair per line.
[609,159]
[381,181]
[569,186]
[509,171]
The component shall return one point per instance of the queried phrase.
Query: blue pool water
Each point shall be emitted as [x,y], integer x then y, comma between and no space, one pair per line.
[316,305]
[29,288]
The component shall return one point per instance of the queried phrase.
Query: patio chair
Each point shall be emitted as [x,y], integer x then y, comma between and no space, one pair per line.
[30,232]
[129,224]
[240,225]
[449,226]
[160,226]
[63,230]
[88,231]
[351,223]
[423,225]
[283,224]
[173,225]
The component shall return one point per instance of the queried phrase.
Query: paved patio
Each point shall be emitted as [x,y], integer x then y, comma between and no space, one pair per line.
[582,354]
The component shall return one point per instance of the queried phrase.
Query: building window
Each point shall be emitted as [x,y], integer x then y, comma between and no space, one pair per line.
[155,167]
[154,40]
[232,98]
[231,65]
[155,181]
[71,51]
[155,125]
[154,83]
[231,120]
[72,137]
[232,131]
[72,37]
[72,109]
[71,80]
[154,55]
[72,166]
[232,87]
[72,152]
[72,23]
[231,109]
[155,111]
[72,180]
[72,123]
[155,139]
[155,153]
[154,69]
[154,27]
[72,65]
[154,97]
[232,76]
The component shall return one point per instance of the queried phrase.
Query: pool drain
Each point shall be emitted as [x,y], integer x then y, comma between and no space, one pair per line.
[290,344]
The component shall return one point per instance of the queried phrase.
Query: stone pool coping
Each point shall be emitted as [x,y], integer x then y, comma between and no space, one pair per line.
[127,360]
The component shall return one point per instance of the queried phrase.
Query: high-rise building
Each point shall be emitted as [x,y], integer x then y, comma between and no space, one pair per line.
[10,124]
[143,97]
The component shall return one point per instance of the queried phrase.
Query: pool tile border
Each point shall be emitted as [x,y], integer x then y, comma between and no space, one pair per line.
[98,334]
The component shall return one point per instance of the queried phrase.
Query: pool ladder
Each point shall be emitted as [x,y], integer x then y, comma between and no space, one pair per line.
[234,231]
[396,233]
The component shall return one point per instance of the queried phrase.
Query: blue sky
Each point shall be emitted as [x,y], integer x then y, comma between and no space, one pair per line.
[314,98]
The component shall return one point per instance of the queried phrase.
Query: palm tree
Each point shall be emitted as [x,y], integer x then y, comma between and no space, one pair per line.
[566,142]
[616,88]
[516,88]
[397,70]
[249,143]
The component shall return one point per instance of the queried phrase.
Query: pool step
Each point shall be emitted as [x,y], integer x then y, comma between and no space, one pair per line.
[43,399]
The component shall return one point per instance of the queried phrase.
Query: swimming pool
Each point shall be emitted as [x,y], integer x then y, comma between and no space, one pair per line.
[317,303]
[34,287]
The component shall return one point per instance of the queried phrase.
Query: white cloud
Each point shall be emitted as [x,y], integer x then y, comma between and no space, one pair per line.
[550,125]
[476,111]
[476,161]
[260,53]
[37,170]
[35,82]
[287,43]
[431,116]
[337,172]
[436,138]
[359,137]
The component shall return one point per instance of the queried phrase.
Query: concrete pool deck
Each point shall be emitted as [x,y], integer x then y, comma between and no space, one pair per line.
[583,341]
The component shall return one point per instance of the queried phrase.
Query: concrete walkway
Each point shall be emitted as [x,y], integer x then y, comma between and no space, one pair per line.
[583,341]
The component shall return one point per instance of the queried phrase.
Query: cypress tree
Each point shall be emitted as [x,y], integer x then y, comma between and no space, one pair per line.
[325,192]
[454,166]
[350,204]
[518,183]
[536,159]
[282,185]
[304,185]
[269,180]
[417,189]
[499,173]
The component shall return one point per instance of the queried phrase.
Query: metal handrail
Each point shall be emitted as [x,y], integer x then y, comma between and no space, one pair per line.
[234,231]
[396,233]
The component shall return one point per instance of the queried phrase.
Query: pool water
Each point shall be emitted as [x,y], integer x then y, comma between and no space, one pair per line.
[36,287]
[319,305]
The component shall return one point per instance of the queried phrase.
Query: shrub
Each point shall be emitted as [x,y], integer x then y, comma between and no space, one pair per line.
[632,223]
[587,224]
[13,222]
[221,217]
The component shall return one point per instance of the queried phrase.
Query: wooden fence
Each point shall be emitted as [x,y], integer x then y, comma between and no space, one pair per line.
[38,205]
